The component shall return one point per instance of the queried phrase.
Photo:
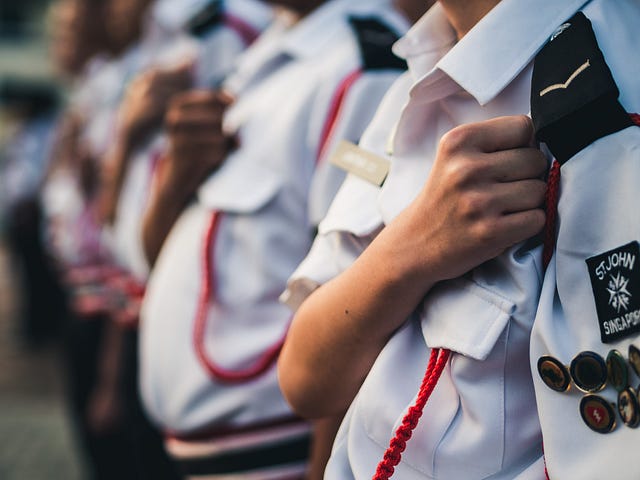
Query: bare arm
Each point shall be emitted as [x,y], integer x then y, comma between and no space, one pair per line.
[483,195]
[141,113]
[197,146]
[324,433]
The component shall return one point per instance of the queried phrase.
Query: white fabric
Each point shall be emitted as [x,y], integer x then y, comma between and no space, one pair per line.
[284,84]
[597,212]
[481,420]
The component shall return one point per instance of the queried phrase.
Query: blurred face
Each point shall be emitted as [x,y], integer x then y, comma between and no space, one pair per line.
[124,19]
[76,34]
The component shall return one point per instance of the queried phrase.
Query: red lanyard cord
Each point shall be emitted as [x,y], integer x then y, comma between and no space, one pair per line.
[551,203]
[264,362]
[437,361]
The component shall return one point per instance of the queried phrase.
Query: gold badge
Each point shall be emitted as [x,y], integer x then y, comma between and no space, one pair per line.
[553,373]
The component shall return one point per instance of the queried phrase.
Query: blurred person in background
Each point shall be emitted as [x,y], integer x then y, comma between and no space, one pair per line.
[91,54]
[233,206]
[45,138]
[30,109]
[120,107]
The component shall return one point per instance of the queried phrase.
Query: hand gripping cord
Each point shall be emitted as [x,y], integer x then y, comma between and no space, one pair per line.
[439,357]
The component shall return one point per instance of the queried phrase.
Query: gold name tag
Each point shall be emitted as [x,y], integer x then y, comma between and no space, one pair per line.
[361,163]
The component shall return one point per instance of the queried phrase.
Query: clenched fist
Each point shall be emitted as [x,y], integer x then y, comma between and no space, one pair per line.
[197,143]
[147,98]
[484,194]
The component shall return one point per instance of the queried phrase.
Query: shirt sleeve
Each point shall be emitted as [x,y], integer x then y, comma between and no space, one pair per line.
[330,255]
[347,121]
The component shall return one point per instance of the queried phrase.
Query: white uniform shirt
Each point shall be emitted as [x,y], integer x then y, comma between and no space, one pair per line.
[215,55]
[284,84]
[480,421]
[597,213]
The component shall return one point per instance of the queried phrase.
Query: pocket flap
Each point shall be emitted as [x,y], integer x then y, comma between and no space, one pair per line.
[464,317]
[240,185]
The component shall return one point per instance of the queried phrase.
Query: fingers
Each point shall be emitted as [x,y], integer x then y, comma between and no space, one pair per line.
[496,134]
[516,164]
[206,99]
[518,196]
[197,111]
[520,226]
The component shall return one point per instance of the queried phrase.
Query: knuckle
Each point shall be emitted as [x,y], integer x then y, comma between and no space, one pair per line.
[484,231]
[460,170]
[472,205]
[456,139]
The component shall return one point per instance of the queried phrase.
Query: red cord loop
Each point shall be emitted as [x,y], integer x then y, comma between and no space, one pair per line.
[263,363]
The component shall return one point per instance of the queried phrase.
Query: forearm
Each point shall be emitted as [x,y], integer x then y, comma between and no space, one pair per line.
[341,328]
[112,180]
[324,433]
[162,212]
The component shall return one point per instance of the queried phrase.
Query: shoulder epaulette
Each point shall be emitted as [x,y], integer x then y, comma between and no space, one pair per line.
[208,17]
[574,97]
[375,40]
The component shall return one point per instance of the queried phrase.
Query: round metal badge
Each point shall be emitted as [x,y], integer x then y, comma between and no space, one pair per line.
[597,414]
[634,358]
[553,373]
[628,407]
[617,370]
[589,372]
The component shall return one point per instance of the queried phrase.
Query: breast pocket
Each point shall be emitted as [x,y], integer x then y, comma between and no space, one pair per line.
[461,433]
[242,185]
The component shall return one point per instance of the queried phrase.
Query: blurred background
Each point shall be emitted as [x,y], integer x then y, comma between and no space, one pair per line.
[36,440]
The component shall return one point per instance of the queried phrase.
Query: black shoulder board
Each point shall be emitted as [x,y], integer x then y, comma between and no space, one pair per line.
[205,19]
[574,98]
[375,40]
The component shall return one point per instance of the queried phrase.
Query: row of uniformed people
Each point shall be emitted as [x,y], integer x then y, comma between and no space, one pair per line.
[326,82]
[101,346]
[106,42]
[211,323]
[439,262]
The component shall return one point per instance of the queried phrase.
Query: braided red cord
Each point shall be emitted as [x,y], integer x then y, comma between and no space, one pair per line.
[263,363]
[551,200]
[437,362]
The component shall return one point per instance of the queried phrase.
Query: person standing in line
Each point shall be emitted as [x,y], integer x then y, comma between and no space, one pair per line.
[234,204]
[415,304]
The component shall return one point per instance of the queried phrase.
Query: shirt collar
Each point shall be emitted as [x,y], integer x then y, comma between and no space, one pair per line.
[491,55]
[308,37]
